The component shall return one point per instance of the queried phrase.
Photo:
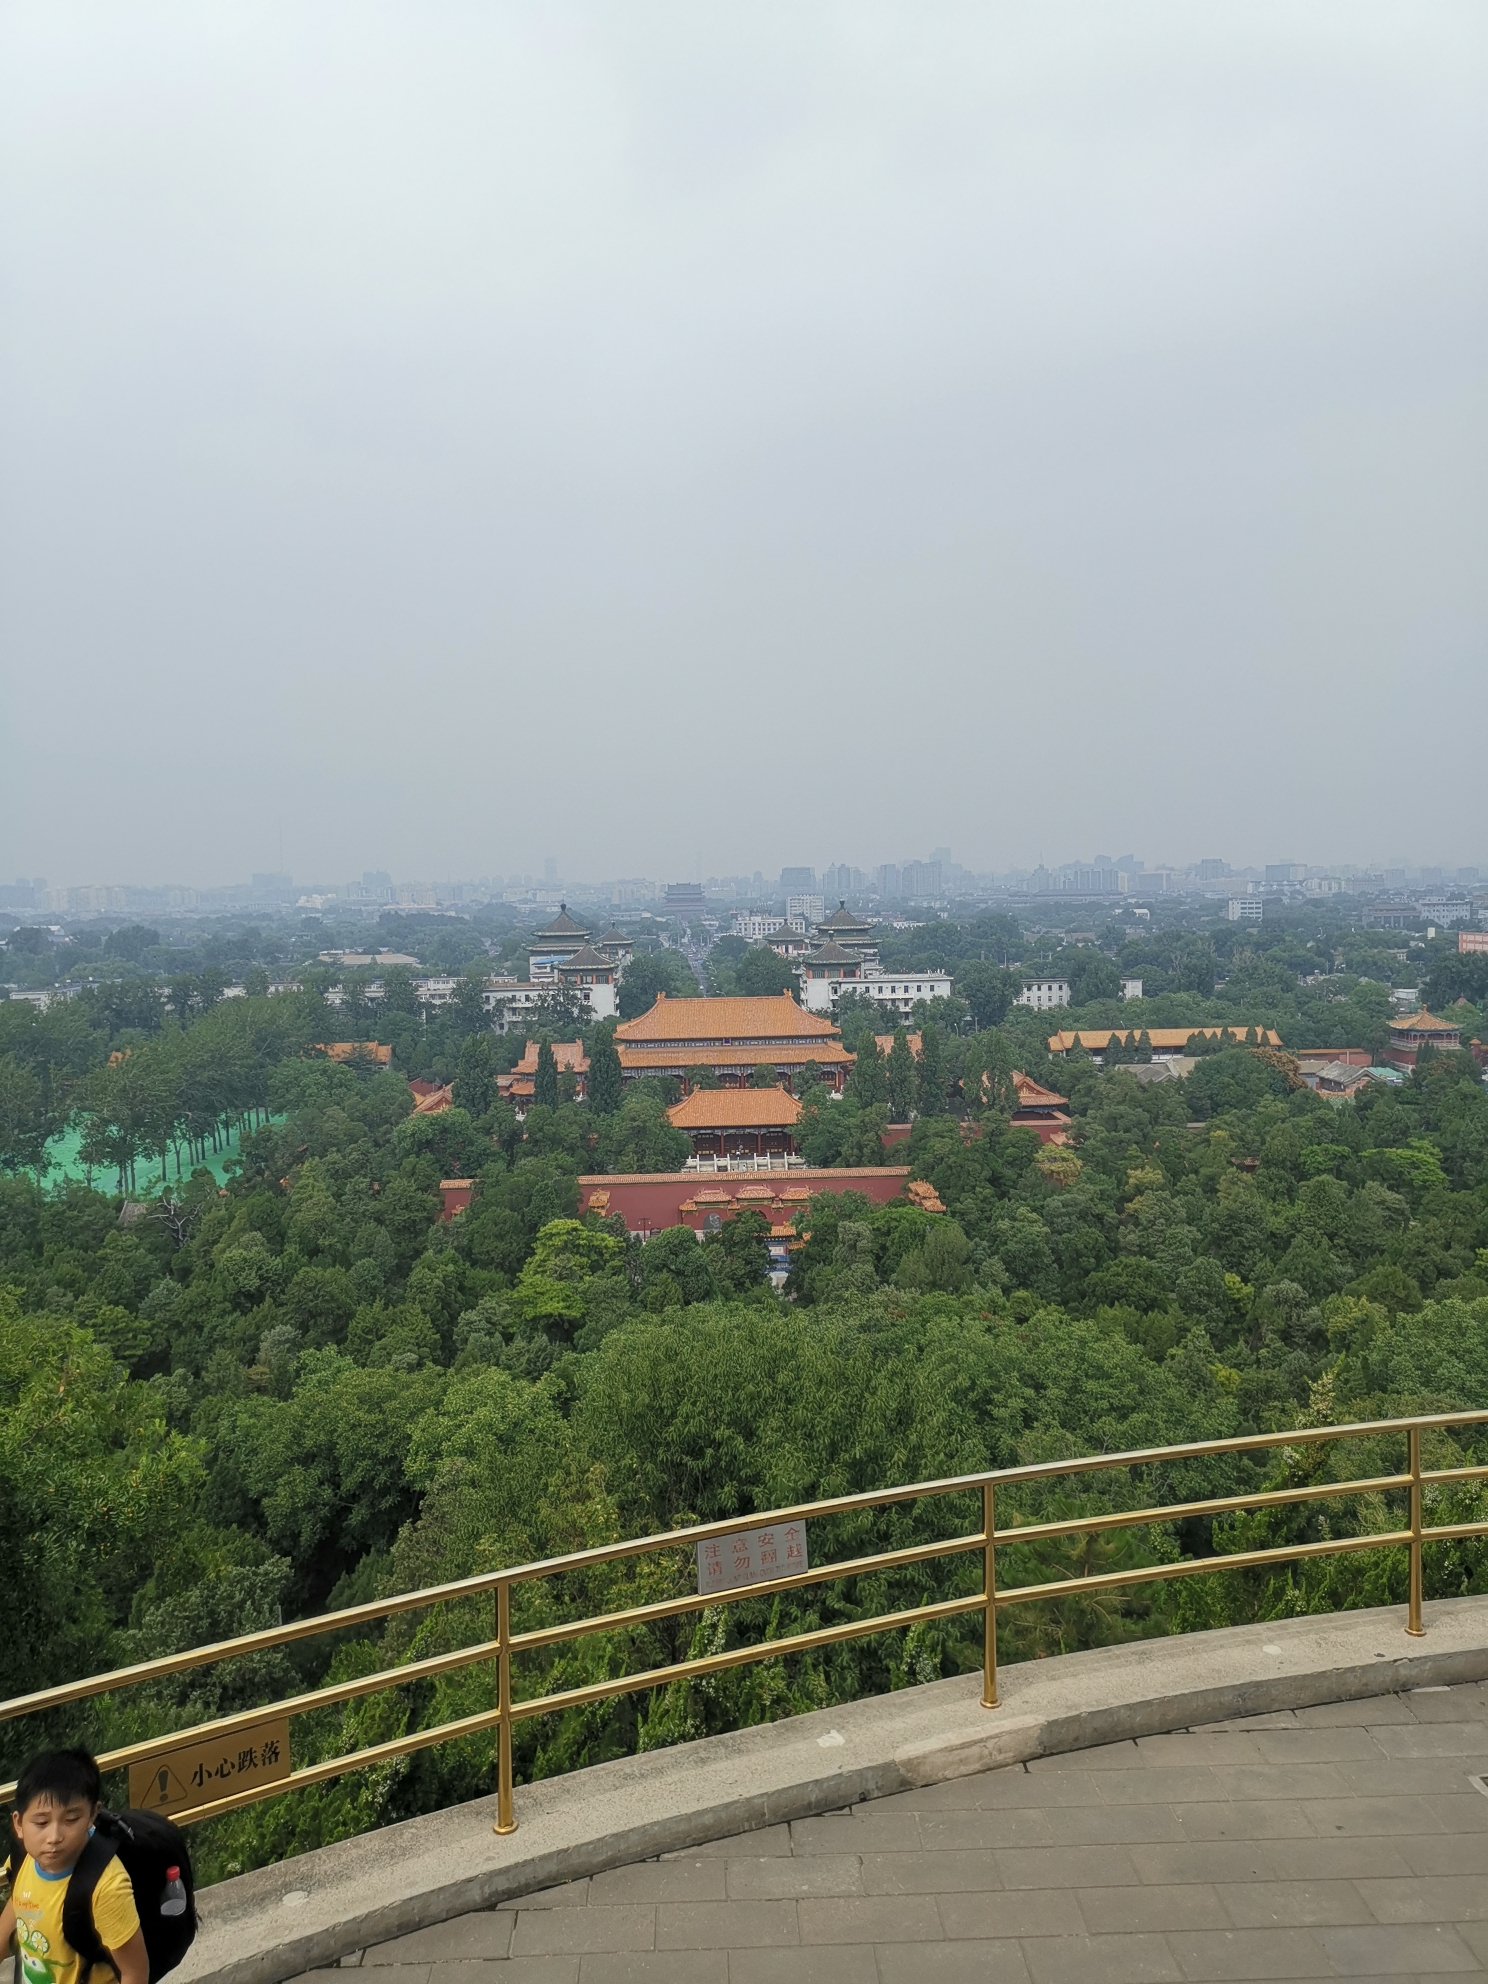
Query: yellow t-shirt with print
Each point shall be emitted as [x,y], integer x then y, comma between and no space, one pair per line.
[44,1957]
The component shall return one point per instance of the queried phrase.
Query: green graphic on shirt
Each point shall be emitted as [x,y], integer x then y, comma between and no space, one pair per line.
[34,1950]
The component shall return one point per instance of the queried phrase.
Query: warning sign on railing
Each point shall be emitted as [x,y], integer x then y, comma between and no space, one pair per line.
[199,1773]
[754,1556]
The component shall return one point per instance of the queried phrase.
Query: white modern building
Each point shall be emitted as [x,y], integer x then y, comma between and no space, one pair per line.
[1043,994]
[1244,909]
[1131,988]
[831,970]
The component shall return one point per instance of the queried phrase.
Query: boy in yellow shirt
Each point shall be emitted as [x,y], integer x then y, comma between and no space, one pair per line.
[56,1803]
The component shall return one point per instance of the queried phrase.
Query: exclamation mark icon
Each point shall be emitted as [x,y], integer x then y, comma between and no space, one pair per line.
[163,1780]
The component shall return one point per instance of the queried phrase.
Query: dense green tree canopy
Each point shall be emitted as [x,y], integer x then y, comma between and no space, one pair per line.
[296,1385]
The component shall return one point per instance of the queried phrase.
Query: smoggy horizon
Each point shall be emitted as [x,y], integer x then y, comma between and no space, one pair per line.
[678,444]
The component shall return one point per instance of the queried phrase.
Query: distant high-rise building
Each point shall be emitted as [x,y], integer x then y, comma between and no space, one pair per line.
[919,880]
[1213,871]
[1285,871]
[890,884]
[798,881]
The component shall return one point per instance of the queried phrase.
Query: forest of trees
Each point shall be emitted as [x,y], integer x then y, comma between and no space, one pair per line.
[225,1404]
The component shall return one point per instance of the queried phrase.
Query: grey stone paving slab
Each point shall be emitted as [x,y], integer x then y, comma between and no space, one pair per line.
[1134,1959]
[663,1880]
[788,1878]
[1249,1953]
[483,1935]
[1022,1826]
[655,1967]
[1016,1912]
[1299,1847]
[1126,1824]
[726,1925]
[1439,1898]
[829,1964]
[951,1963]
[1255,1818]
[579,1931]
[870,1918]
[1297,1904]
[1115,1911]
[1423,1949]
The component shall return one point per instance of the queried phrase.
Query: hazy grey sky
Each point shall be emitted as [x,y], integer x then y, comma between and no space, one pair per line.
[450,434]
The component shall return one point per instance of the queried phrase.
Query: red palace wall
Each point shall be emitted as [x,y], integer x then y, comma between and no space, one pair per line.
[652,1200]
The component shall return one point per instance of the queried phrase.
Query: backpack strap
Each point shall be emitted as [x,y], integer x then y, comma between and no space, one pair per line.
[78,1927]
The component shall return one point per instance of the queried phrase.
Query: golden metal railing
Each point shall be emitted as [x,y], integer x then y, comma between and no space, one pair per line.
[984,1541]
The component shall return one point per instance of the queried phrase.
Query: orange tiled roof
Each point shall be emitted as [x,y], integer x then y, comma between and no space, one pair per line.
[660,1057]
[1032,1096]
[725,1021]
[736,1109]
[347,1050]
[436,1103]
[885,1041]
[569,1054]
[1170,1038]
[1423,1022]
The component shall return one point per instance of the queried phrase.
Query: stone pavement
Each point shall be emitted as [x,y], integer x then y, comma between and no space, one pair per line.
[1344,1841]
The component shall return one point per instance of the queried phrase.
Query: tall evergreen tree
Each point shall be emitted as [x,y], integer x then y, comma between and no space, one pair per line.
[605,1082]
[900,1075]
[867,1084]
[545,1082]
[475,1083]
[931,1088]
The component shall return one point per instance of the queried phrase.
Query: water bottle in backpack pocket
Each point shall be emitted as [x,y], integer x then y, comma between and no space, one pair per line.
[154,1856]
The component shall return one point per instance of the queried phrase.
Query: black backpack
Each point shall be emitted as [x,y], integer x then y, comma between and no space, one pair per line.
[149,1846]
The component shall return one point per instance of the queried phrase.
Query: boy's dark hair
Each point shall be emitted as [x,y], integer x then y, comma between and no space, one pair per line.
[59,1774]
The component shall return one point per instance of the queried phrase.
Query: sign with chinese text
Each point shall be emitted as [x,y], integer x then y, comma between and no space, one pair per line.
[754,1556]
[198,1773]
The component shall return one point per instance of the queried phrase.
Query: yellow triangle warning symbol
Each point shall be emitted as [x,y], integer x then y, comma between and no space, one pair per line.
[156,1787]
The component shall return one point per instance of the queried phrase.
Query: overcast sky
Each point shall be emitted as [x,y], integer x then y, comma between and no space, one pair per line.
[441,436]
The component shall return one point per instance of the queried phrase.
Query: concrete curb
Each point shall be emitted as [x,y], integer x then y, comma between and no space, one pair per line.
[307,1912]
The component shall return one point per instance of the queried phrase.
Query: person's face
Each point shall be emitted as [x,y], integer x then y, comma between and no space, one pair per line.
[52,1832]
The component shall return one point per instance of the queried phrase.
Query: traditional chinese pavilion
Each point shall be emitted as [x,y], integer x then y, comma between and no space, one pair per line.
[592,975]
[517,1087]
[555,942]
[615,945]
[738,1122]
[1417,1030]
[733,1037]
[853,933]
[1041,1110]
[823,973]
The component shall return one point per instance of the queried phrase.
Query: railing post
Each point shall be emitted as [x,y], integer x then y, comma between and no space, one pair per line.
[1413,1623]
[505,1820]
[989,1586]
